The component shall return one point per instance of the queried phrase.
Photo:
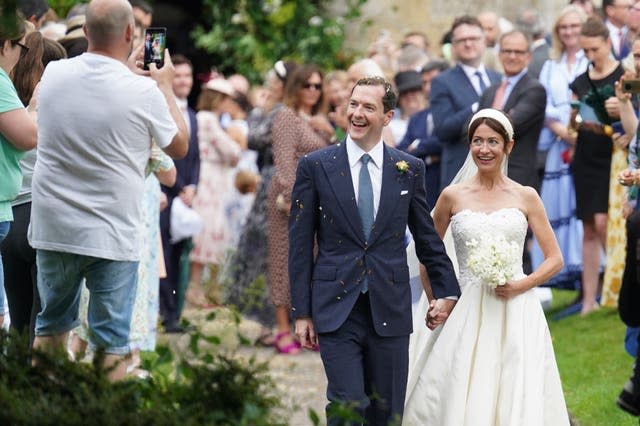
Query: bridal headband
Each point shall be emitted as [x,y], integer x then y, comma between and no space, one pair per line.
[496,115]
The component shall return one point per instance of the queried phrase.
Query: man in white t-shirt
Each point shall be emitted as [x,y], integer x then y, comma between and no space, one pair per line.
[96,121]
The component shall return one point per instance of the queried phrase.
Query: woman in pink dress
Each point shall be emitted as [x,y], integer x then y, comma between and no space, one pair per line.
[299,127]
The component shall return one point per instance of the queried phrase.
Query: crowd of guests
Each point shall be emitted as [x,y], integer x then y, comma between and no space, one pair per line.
[229,163]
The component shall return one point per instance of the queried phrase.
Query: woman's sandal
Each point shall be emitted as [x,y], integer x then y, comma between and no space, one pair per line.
[291,348]
[266,339]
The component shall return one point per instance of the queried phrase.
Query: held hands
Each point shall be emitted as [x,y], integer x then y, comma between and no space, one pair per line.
[306,333]
[628,177]
[439,310]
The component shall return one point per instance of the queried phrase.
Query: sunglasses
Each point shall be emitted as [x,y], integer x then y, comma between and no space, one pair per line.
[317,86]
[24,48]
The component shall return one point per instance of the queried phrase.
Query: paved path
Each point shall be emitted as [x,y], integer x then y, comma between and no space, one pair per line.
[300,379]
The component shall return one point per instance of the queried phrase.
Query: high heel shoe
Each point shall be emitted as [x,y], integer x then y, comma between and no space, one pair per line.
[290,348]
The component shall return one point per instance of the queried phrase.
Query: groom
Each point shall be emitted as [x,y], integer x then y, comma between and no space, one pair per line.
[353,297]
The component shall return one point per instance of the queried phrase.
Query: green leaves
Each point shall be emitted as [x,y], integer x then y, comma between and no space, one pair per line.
[249,36]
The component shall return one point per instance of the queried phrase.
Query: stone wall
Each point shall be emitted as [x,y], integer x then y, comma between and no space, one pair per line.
[434,17]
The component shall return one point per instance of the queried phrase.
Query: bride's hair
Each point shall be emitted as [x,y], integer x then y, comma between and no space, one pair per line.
[494,125]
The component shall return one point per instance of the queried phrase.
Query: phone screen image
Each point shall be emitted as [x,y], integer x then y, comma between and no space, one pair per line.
[155,41]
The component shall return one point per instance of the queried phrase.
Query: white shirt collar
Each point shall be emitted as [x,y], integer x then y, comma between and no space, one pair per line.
[471,71]
[354,152]
[182,103]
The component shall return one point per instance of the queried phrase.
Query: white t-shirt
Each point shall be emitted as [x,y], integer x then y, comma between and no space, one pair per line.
[96,120]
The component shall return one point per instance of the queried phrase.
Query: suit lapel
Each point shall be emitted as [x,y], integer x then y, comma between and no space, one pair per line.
[339,175]
[514,93]
[464,80]
[389,193]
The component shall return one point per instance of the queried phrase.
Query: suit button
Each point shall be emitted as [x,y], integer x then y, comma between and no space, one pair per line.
[338,298]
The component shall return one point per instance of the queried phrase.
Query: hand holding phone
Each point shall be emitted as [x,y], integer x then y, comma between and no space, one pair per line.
[155,42]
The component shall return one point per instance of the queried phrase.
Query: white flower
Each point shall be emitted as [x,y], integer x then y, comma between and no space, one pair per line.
[493,259]
[315,21]
[237,19]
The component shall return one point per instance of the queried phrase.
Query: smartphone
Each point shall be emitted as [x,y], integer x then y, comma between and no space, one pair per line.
[155,41]
[631,86]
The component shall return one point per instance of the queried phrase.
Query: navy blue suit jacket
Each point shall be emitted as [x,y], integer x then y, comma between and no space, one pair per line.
[325,287]
[187,173]
[421,128]
[526,106]
[451,97]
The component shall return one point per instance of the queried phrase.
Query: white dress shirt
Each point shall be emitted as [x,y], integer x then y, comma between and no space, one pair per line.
[354,153]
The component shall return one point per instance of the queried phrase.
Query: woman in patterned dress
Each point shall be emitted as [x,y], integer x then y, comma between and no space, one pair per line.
[219,154]
[299,127]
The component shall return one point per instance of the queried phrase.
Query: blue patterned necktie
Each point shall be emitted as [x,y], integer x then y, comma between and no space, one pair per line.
[365,205]
[481,81]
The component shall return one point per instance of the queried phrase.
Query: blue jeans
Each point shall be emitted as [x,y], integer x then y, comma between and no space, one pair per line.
[4,230]
[112,288]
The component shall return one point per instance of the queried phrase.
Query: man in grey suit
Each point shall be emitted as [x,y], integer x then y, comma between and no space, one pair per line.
[455,93]
[524,99]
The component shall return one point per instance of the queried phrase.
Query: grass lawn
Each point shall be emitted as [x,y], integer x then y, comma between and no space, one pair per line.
[592,363]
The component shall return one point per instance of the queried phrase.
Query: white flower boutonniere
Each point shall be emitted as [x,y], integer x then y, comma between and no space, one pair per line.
[493,259]
[402,167]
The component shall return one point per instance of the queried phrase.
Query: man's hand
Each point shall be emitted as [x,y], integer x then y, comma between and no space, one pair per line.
[187,194]
[306,333]
[164,202]
[163,76]
[439,310]
[136,61]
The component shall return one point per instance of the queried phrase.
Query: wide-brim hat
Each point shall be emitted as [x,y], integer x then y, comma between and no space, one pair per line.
[74,27]
[407,81]
[221,85]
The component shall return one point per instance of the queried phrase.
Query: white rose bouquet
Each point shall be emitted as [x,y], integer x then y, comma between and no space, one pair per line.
[493,259]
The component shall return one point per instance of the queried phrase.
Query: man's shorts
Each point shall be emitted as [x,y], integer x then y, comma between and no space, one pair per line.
[112,287]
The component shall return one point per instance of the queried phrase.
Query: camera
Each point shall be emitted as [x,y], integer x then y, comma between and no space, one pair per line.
[155,41]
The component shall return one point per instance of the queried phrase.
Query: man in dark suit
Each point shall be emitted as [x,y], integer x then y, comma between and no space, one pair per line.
[455,93]
[353,297]
[524,99]
[187,174]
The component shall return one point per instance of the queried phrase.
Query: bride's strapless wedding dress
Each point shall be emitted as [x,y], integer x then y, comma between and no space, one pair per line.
[492,362]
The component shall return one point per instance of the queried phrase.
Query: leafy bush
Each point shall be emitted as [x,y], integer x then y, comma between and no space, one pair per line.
[207,389]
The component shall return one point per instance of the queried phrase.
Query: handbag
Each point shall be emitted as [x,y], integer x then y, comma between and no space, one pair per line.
[185,222]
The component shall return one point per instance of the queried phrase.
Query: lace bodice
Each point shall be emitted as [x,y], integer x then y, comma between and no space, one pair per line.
[466,225]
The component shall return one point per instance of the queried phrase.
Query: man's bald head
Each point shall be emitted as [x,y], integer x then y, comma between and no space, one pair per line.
[107,21]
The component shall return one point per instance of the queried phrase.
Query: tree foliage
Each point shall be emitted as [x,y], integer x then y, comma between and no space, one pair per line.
[248,36]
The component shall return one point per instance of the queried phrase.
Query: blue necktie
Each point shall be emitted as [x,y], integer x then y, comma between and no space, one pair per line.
[365,205]
[365,197]
[481,81]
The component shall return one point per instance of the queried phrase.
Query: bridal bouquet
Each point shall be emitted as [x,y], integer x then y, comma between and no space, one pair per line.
[493,259]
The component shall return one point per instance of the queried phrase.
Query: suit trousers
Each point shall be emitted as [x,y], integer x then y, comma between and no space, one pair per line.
[364,370]
[629,299]
[169,285]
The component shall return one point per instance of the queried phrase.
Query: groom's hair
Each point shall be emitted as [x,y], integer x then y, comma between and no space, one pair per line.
[390,97]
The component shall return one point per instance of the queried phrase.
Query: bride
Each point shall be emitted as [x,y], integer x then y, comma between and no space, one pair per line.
[492,362]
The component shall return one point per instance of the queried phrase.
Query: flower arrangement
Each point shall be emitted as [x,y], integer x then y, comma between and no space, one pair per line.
[402,166]
[493,259]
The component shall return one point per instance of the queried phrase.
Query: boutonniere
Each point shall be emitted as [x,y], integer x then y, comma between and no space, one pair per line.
[402,167]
